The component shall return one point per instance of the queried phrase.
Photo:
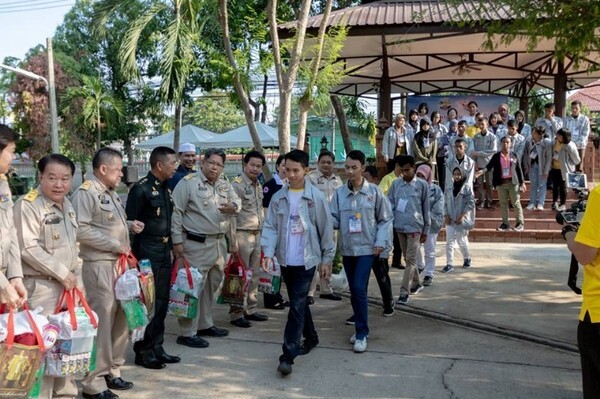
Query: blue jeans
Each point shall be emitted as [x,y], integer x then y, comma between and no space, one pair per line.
[358,269]
[299,323]
[538,186]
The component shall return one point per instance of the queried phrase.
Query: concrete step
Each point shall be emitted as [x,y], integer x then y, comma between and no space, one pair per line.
[530,224]
[526,236]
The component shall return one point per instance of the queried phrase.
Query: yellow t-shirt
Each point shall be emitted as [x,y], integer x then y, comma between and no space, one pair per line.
[589,234]
[555,161]
[472,131]
[386,182]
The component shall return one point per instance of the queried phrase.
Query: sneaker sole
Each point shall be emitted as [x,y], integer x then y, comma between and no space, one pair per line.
[349,323]
[388,314]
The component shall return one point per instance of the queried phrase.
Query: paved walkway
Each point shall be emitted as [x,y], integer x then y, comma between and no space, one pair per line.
[414,354]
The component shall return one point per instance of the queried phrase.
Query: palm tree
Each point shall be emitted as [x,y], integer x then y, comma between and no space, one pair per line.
[98,104]
[176,44]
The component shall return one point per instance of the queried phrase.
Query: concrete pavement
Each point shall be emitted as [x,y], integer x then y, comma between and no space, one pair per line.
[414,354]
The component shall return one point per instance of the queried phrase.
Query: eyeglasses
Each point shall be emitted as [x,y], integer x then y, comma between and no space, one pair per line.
[215,164]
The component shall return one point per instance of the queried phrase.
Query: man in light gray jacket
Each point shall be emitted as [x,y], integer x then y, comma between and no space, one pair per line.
[409,197]
[298,230]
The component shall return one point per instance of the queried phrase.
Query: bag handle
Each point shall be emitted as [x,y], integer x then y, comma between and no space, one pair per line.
[70,297]
[231,262]
[126,260]
[187,270]
[10,338]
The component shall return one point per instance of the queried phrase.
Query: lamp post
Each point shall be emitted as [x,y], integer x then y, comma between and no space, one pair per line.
[51,93]
[324,143]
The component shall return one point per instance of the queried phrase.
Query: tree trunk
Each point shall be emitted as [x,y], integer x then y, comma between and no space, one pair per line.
[98,130]
[256,107]
[304,106]
[237,83]
[341,116]
[286,79]
[263,114]
[177,130]
[128,150]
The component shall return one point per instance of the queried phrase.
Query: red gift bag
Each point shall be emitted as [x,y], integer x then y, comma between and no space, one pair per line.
[234,284]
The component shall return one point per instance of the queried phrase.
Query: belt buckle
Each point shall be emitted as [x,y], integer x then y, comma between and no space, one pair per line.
[165,239]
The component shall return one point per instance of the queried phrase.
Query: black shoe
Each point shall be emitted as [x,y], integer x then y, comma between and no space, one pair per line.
[350,321]
[416,289]
[310,300]
[399,266]
[102,395]
[149,361]
[213,332]
[307,346]
[117,383]
[284,368]
[427,281]
[277,306]
[257,317]
[168,359]
[333,296]
[241,323]
[192,342]
[286,304]
[503,227]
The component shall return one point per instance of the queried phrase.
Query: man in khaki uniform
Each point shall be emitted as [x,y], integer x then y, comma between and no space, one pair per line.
[47,233]
[12,291]
[327,182]
[203,205]
[249,224]
[104,235]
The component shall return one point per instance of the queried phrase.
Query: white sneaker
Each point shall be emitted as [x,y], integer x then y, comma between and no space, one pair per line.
[540,207]
[530,207]
[360,345]
[561,208]
[353,339]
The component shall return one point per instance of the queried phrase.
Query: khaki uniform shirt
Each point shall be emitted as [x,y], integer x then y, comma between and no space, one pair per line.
[251,216]
[327,185]
[196,205]
[103,227]
[10,260]
[47,236]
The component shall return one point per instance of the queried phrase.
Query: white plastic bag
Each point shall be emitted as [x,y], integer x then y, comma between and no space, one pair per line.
[127,286]
[339,282]
[182,282]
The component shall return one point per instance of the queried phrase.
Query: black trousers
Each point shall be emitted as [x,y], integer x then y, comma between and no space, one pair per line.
[441,172]
[559,186]
[159,255]
[588,340]
[397,255]
[381,269]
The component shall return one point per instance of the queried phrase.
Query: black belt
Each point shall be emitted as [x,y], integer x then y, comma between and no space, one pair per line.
[160,239]
[509,180]
[199,237]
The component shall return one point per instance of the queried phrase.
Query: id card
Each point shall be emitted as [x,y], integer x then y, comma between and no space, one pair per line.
[354,223]
[296,225]
[401,207]
[505,173]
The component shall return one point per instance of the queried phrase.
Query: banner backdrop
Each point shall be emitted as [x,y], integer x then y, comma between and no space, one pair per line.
[487,104]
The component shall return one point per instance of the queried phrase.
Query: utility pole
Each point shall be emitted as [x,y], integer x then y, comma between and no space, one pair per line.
[52,92]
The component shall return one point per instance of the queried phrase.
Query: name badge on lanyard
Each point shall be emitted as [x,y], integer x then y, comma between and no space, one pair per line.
[401,207]
[296,224]
[354,223]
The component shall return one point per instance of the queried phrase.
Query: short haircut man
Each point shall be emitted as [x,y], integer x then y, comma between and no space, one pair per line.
[160,154]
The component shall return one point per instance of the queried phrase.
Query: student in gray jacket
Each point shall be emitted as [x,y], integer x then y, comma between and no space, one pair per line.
[459,218]
[363,215]
[409,197]
[436,203]
[298,230]
[565,158]
[537,158]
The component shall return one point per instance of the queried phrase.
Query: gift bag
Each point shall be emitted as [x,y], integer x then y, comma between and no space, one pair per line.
[270,282]
[185,290]
[77,330]
[21,357]
[145,279]
[234,284]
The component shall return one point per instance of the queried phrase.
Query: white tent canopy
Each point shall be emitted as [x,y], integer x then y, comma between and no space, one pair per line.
[188,134]
[240,137]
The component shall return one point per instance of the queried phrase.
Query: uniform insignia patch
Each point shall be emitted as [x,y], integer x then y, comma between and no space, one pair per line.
[86,185]
[32,195]
[190,176]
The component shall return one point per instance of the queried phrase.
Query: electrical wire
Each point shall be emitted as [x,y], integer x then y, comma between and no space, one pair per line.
[36,7]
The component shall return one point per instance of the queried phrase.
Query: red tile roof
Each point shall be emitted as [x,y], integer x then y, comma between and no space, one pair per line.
[589,96]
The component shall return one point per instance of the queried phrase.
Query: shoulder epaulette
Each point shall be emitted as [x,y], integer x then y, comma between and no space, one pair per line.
[86,185]
[190,176]
[238,179]
[32,195]
[3,177]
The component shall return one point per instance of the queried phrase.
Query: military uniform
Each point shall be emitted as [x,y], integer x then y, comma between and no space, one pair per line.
[149,201]
[249,224]
[10,261]
[327,185]
[180,173]
[103,230]
[201,228]
[47,236]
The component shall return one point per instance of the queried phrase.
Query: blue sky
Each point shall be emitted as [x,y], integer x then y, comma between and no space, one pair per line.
[27,23]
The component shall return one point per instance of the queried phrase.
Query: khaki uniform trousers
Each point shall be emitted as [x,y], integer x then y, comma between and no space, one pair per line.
[325,284]
[46,293]
[410,243]
[208,257]
[113,333]
[249,247]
